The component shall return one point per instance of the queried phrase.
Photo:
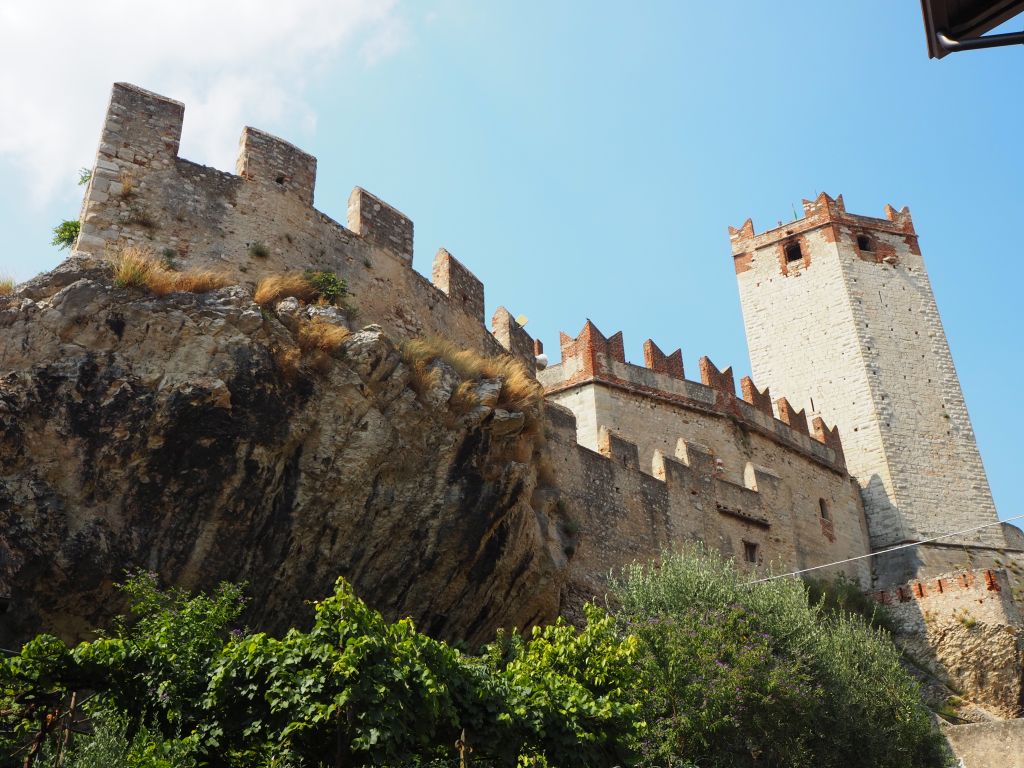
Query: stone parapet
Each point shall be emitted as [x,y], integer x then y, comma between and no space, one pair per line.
[591,357]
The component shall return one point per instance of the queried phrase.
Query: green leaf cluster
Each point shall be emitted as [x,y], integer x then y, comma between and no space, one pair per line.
[65,234]
[329,286]
[738,674]
[353,690]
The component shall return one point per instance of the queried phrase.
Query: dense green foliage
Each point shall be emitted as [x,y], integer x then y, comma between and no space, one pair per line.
[65,234]
[354,690]
[840,595]
[697,668]
[739,674]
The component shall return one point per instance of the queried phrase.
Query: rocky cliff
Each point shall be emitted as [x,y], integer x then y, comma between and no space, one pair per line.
[184,434]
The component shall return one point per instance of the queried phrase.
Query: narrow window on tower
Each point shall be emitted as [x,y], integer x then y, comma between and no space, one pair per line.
[864,243]
[825,514]
[792,251]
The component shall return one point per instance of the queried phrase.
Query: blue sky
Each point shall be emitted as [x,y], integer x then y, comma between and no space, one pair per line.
[583,158]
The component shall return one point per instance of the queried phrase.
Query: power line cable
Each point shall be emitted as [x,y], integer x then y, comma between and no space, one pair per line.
[884,551]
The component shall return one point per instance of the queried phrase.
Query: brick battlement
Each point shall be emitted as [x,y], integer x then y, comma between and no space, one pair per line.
[142,194]
[830,215]
[980,582]
[592,357]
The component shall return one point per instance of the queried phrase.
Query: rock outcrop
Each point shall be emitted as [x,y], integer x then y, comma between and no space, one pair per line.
[184,435]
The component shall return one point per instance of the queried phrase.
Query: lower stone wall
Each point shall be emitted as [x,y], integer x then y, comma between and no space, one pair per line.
[620,514]
[988,745]
[966,629]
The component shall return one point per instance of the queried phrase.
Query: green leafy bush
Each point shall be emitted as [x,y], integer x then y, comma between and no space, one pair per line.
[840,595]
[353,690]
[738,674]
[329,286]
[65,234]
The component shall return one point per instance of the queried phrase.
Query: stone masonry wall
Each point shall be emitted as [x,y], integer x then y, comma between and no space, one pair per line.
[142,194]
[627,515]
[966,629]
[849,328]
[765,481]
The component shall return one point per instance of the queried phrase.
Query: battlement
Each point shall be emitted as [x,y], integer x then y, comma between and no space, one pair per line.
[830,215]
[261,220]
[628,511]
[979,582]
[591,357]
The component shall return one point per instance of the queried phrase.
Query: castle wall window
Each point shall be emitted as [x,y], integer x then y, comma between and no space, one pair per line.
[864,243]
[792,251]
[750,552]
[825,513]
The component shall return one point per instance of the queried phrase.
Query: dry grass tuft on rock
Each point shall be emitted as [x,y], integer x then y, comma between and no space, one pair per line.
[136,268]
[272,288]
[6,286]
[519,391]
[318,336]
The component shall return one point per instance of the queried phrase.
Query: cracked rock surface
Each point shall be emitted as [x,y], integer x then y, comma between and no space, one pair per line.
[163,433]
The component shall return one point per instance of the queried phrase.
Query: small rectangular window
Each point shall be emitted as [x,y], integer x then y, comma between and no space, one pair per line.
[793,252]
[750,552]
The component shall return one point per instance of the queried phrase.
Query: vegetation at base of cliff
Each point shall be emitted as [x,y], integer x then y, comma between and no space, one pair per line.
[519,390]
[65,234]
[696,667]
[737,674]
[137,268]
[180,687]
[305,286]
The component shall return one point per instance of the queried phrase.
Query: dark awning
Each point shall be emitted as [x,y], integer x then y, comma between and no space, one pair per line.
[958,25]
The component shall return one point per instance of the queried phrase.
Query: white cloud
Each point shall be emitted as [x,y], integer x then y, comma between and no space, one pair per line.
[232,62]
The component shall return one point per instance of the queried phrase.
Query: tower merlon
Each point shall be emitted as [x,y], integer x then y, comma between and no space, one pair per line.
[659,362]
[762,400]
[381,224]
[450,276]
[267,159]
[614,447]
[823,211]
[720,381]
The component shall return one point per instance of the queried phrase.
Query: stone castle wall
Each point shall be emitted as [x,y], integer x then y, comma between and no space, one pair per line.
[847,326]
[142,194]
[261,220]
[744,476]
[628,515]
[965,628]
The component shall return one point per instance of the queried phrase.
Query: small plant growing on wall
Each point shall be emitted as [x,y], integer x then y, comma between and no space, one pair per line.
[259,249]
[65,234]
[329,286]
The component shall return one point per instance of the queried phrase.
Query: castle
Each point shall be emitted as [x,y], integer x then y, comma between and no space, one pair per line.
[868,444]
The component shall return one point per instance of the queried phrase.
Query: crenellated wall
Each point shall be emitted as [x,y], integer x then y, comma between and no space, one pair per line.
[142,194]
[629,512]
[767,481]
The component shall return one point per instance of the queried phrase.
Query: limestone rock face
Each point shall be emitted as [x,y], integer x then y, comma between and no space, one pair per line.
[166,434]
[983,662]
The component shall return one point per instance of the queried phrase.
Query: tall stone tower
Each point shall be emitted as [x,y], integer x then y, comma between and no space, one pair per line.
[840,318]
